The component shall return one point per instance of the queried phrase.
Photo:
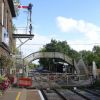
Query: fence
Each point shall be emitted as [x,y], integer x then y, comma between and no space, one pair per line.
[24,82]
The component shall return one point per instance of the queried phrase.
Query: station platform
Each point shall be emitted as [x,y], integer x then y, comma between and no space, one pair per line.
[22,94]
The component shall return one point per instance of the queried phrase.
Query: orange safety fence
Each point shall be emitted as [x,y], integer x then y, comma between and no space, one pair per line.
[25,82]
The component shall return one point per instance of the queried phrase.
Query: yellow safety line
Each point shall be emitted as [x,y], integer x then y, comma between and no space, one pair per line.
[18,95]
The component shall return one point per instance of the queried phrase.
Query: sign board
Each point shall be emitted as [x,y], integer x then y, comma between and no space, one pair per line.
[20,71]
[5,36]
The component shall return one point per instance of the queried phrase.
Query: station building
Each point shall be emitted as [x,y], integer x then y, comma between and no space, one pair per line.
[7,42]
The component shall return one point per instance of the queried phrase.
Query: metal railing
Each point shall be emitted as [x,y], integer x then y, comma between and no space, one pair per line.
[63,79]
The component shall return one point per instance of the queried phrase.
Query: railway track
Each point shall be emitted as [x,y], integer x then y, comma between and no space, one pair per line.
[70,95]
[52,95]
[41,80]
[86,94]
[65,94]
[46,87]
[94,92]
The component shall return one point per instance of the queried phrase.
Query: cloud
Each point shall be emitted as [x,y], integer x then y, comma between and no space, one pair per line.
[66,24]
[90,31]
[34,45]
[93,36]
[79,45]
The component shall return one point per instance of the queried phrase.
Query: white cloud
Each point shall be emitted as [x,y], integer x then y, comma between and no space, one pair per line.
[34,45]
[80,45]
[93,36]
[90,31]
[68,24]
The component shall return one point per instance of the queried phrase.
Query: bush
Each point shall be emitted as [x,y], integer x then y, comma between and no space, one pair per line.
[96,85]
[1,79]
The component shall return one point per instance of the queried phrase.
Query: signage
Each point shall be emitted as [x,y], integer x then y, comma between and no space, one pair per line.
[5,36]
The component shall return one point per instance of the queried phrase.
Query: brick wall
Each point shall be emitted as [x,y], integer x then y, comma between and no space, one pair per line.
[8,25]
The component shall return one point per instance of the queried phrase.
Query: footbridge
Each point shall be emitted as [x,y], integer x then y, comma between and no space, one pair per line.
[36,55]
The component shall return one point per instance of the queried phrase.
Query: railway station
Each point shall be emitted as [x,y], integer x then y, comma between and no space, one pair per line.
[61,73]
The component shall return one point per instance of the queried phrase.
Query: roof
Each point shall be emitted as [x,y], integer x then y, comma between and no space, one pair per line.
[11,6]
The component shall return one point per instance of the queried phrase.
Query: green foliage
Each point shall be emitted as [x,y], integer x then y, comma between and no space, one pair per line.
[13,27]
[74,54]
[5,62]
[32,66]
[87,56]
[2,78]
[96,52]
[62,46]
[90,56]
[57,46]
[96,83]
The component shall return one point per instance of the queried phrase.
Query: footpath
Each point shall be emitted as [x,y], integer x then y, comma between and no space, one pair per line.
[21,94]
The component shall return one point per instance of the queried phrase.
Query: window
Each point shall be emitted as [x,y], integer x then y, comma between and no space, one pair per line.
[3,13]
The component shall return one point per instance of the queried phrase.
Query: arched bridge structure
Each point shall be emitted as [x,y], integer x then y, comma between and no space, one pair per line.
[74,80]
[36,55]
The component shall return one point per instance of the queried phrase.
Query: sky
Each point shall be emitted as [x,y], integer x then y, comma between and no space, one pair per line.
[74,21]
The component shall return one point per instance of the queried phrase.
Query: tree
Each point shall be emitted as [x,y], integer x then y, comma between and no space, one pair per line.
[90,56]
[87,56]
[5,63]
[32,66]
[57,46]
[96,52]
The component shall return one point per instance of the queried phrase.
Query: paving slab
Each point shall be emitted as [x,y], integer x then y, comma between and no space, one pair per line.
[21,94]
[33,95]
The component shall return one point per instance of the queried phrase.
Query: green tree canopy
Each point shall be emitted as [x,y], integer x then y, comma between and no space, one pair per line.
[57,46]
[63,47]
[96,52]
[90,56]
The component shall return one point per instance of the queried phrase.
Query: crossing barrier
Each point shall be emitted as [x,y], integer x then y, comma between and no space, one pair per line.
[24,82]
